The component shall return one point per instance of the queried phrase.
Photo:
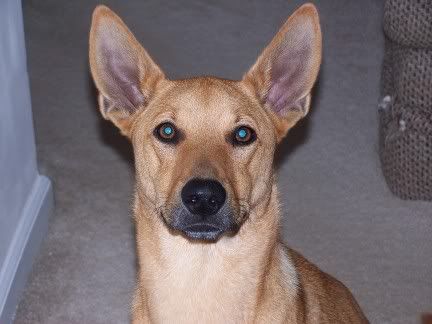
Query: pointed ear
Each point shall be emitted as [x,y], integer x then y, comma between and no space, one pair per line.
[283,76]
[124,73]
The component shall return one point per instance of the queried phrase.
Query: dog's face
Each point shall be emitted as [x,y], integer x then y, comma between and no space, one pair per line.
[204,146]
[204,152]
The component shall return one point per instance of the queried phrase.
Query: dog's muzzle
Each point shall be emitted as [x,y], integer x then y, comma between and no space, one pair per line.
[204,213]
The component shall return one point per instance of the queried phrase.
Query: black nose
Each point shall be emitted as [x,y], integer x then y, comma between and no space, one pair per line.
[203,197]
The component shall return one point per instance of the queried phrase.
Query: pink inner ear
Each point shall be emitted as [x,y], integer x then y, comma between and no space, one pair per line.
[120,72]
[289,71]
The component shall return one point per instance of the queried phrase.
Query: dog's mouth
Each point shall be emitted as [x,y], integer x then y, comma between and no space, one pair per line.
[203,231]
[198,228]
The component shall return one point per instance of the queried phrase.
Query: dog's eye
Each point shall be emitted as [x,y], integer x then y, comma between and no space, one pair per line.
[243,135]
[166,132]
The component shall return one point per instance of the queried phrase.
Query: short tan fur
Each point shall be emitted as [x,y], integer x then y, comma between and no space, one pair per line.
[246,275]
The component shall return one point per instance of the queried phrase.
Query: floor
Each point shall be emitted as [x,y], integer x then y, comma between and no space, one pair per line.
[337,209]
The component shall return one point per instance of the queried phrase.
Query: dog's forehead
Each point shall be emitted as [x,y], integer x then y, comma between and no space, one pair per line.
[204,101]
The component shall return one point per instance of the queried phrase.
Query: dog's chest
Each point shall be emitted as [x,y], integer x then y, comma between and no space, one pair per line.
[201,287]
[198,302]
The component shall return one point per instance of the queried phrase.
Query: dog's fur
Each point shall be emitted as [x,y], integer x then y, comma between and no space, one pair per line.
[244,277]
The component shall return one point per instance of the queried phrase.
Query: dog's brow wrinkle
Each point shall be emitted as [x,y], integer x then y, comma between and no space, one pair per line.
[168,114]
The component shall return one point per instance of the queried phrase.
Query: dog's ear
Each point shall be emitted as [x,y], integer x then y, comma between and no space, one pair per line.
[124,73]
[283,75]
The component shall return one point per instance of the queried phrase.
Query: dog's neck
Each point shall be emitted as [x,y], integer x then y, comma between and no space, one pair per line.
[177,277]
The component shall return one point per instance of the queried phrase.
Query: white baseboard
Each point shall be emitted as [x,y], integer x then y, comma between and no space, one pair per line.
[24,246]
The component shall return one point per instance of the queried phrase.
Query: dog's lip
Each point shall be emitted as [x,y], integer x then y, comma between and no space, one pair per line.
[202,227]
[203,231]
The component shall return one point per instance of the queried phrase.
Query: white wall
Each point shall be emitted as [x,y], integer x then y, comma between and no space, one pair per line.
[24,194]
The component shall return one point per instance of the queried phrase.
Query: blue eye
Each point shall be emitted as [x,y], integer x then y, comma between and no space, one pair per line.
[166,132]
[243,135]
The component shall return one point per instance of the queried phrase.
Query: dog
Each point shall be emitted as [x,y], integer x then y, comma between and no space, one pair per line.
[206,204]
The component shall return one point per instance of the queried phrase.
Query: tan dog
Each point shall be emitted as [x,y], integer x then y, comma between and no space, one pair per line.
[206,203]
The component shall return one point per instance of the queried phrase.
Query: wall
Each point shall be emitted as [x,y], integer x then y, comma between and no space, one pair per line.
[25,196]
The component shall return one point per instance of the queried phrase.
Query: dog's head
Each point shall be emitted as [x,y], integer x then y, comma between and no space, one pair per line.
[204,146]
